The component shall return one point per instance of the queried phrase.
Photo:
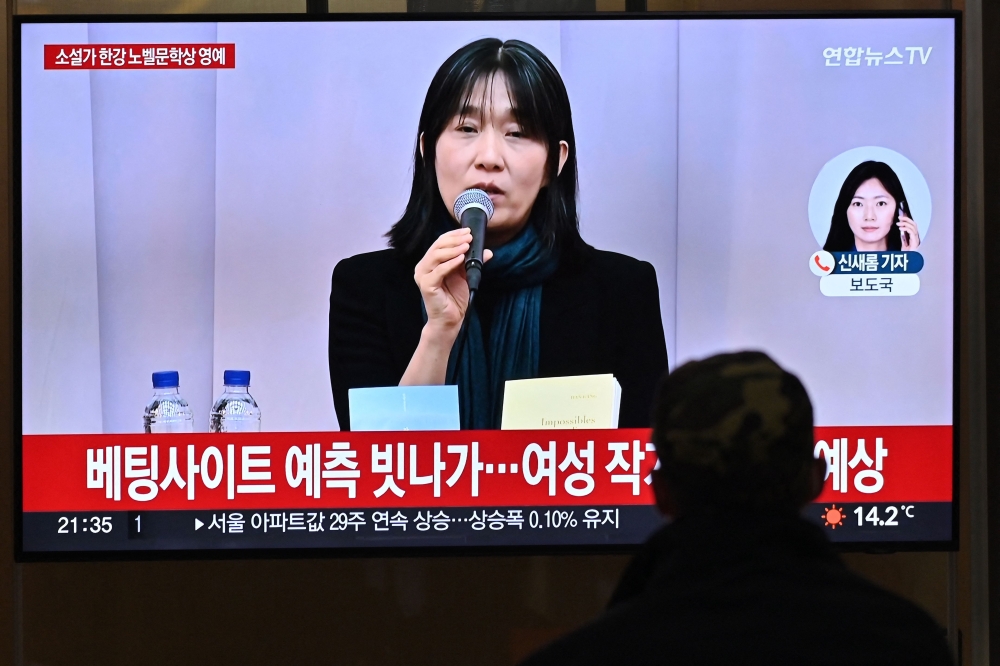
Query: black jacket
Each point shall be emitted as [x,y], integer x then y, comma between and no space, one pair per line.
[748,590]
[600,314]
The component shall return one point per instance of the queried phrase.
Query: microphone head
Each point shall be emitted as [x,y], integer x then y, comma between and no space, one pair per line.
[473,198]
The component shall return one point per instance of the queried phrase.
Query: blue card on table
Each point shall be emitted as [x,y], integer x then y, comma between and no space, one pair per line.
[404,408]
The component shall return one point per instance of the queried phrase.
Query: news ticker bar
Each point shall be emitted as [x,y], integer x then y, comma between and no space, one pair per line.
[348,471]
[430,527]
[361,528]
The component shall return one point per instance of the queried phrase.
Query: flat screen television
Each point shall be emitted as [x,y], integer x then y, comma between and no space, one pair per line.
[231,246]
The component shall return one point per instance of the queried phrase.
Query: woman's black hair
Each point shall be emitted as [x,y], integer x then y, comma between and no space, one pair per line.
[541,107]
[841,238]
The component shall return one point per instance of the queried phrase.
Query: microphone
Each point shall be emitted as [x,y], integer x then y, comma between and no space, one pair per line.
[473,209]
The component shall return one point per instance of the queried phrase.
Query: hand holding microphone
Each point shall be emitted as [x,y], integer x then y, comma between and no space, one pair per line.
[445,290]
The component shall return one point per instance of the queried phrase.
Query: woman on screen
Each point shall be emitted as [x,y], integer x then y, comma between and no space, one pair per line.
[871,213]
[496,117]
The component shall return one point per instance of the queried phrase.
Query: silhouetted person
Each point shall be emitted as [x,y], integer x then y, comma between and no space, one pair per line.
[738,577]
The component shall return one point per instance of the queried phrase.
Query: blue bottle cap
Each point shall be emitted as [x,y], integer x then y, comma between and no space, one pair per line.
[236,378]
[166,379]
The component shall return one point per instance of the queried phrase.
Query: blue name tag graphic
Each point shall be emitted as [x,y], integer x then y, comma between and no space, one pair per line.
[877,262]
[404,408]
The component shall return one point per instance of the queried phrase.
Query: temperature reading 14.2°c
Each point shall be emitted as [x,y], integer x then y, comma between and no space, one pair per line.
[889,518]
[883,515]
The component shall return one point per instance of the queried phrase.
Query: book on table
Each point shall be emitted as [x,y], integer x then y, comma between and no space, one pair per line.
[558,403]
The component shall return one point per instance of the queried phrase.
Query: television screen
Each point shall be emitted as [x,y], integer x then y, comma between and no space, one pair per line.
[246,251]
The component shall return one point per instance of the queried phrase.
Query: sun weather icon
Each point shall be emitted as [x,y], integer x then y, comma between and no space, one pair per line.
[833,517]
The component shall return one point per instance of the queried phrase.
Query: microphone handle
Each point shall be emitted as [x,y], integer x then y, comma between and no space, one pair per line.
[473,274]
[475,220]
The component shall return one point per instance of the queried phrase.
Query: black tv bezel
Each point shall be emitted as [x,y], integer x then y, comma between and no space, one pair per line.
[22,556]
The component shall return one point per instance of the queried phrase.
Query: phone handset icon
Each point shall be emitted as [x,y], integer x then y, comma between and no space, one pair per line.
[822,263]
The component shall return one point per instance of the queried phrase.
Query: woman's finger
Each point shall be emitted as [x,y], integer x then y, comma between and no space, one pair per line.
[442,270]
[452,238]
[447,253]
[487,255]
[436,257]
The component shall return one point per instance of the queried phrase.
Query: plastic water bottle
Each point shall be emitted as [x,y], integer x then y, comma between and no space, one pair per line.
[235,410]
[167,411]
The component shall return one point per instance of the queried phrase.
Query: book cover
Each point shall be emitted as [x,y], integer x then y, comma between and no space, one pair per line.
[583,401]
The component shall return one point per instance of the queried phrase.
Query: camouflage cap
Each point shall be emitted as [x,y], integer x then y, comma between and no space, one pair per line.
[734,429]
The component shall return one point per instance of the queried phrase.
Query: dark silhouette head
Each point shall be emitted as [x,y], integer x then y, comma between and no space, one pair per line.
[734,433]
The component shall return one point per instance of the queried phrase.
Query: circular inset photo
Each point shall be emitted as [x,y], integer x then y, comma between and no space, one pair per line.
[870,199]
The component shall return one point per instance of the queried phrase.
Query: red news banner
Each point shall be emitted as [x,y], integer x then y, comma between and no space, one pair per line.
[430,469]
[140,56]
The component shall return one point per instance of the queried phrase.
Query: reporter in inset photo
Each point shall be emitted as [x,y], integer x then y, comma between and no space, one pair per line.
[871,213]
[497,118]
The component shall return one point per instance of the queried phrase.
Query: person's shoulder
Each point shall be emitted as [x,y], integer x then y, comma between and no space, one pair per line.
[607,262]
[368,262]
[372,267]
[650,629]
[371,275]
[884,626]
[614,275]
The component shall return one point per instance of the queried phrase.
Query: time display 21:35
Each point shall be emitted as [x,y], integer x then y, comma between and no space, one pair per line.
[95,524]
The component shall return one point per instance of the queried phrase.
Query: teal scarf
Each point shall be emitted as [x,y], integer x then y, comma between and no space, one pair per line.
[518,269]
